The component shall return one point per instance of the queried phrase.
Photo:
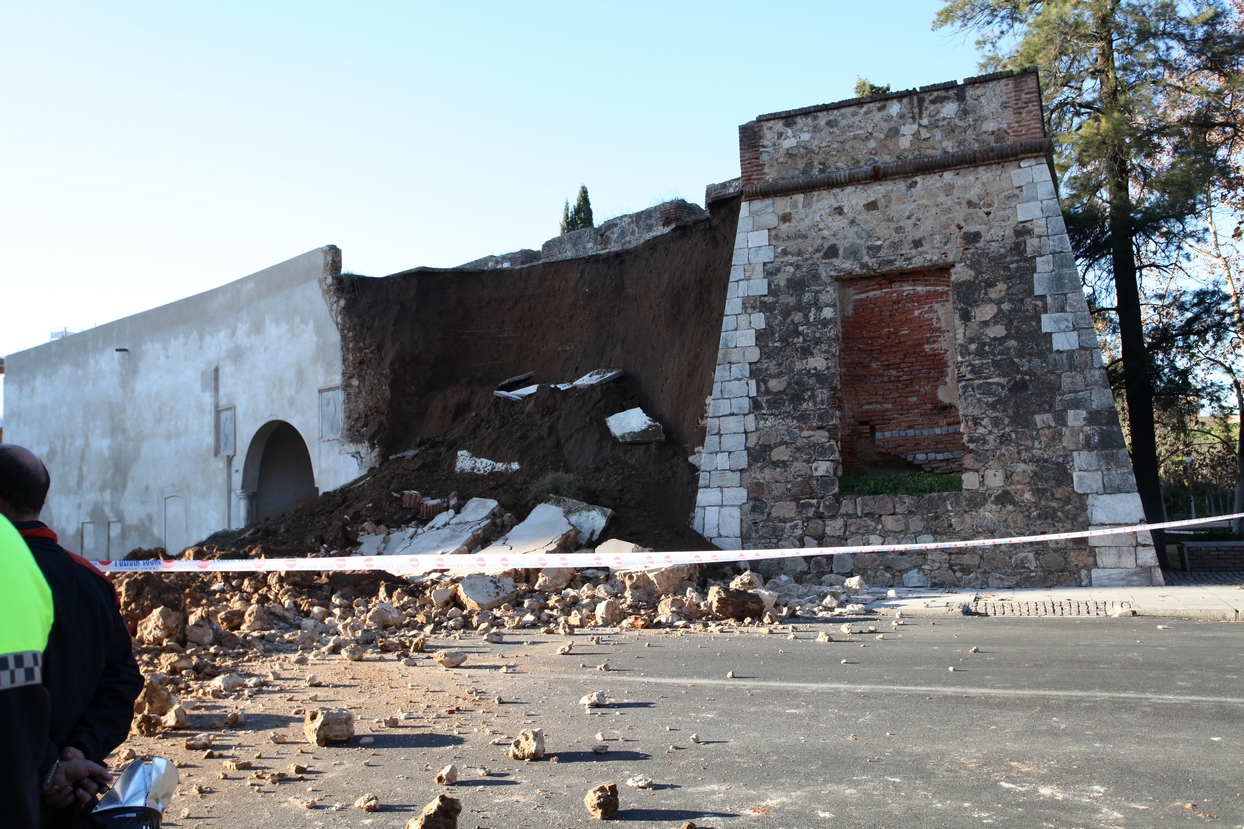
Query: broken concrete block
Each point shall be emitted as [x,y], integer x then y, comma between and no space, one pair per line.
[588,519]
[734,604]
[384,615]
[596,699]
[634,426]
[479,592]
[546,530]
[372,544]
[162,625]
[449,659]
[554,579]
[616,546]
[528,746]
[749,580]
[256,619]
[175,717]
[201,635]
[154,699]
[456,535]
[441,813]
[609,612]
[593,378]
[228,683]
[602,801]
[466,462]
[322,726]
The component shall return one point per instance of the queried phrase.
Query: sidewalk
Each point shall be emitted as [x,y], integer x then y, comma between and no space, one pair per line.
[1216,597]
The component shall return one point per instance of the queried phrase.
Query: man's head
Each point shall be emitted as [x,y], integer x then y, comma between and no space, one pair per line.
[24,482]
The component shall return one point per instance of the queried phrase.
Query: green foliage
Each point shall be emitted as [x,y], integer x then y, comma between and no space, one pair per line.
[554,483]
[863,88]
[1137,96]
[903,483]
[579,216]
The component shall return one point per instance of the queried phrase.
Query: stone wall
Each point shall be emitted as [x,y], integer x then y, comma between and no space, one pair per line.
[951,182]
[623,231]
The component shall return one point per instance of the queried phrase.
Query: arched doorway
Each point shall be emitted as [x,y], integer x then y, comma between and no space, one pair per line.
[278,470]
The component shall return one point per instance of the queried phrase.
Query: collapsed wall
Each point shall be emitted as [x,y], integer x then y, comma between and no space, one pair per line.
[424,350]
[903,296]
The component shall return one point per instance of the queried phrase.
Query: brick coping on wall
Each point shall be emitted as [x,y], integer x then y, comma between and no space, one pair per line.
[889,96]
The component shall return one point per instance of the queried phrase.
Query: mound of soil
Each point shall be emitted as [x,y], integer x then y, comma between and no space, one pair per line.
[650,487]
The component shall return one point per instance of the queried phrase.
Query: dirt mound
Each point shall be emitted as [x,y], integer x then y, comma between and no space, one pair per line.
[650,487]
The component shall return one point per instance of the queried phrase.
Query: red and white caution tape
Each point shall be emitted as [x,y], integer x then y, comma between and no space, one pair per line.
[630,561]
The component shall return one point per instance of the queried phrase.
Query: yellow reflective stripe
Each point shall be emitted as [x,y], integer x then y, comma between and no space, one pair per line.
[26,611]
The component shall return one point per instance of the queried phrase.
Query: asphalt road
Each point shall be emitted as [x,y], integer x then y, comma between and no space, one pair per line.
[1052,722]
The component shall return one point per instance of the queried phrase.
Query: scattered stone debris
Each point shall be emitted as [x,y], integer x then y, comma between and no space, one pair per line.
[602,801]
[449,659]
[640,781]
[368,803]
[528,746]
[447,776]
[596,699]
[328,725]
[441,813]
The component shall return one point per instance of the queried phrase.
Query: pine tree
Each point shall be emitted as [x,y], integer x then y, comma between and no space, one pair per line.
[579,216]
[1132,178]
[583,208]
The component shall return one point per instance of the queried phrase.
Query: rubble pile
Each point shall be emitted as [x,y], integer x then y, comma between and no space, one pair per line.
[206,624]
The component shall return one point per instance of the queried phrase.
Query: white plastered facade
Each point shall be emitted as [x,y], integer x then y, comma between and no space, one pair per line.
[153,426]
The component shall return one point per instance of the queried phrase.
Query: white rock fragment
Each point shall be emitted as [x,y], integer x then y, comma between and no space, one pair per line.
[449,659]
[634,426]
[528,746]
[596,699]
[639,781]
[447,776]
[467,462]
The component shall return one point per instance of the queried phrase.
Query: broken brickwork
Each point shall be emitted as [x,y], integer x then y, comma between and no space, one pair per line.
[933,214]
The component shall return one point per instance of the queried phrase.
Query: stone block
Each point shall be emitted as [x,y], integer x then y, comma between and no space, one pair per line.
[1135,577]
[759,255]
[480,592]
[1116,508]
[1027,211]
[1116,558]
[757,239]
[1066,340]
[1088,482]
[322,726]
[1057,322]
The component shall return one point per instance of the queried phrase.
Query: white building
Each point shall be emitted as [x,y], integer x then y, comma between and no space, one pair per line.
[207,413]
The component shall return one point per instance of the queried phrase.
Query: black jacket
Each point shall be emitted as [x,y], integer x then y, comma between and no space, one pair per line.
[88,667]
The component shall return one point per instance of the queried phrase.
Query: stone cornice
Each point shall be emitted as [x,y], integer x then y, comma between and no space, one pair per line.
[1042,147]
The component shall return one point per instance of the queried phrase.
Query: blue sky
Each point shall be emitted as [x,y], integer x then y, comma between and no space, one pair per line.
[155,150]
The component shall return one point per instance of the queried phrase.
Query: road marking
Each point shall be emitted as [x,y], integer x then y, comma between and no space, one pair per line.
[929,689]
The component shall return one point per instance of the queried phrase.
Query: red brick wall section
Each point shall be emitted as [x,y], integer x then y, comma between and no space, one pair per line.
[896,355]
[1204,556]
[1024,95]
[751,170]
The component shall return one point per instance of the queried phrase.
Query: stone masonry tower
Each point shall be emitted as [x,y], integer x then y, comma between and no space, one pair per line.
[904,297]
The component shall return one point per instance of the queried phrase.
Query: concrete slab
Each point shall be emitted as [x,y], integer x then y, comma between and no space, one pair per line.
[589,520]
[458,535]
[635,426]
[546,530]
